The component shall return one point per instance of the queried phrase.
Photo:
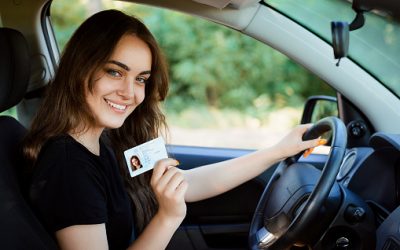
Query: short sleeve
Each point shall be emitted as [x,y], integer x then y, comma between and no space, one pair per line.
[70,193]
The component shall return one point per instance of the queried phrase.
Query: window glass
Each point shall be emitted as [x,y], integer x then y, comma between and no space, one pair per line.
[226,89]
[10,112]
[375,46]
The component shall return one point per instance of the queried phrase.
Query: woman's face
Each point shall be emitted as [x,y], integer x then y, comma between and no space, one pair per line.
[119,86]
[135,162]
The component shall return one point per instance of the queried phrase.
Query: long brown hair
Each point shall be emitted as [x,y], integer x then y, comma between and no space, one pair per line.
[64,106]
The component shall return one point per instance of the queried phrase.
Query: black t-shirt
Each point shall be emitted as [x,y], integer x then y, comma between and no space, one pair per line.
[72,186]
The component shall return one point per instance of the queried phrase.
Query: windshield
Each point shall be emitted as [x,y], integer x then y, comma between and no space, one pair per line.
[375,47]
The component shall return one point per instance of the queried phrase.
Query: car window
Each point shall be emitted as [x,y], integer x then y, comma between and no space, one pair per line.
[375,46]
[10,112]
[227,89]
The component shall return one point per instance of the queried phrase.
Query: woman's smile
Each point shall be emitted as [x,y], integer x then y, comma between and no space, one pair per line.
[120,108]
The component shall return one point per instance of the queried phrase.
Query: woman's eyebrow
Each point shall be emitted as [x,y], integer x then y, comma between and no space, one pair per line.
[147,72]
[122,65]
[125,67]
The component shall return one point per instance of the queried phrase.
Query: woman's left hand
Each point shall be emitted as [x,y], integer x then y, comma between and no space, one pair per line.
[292,143]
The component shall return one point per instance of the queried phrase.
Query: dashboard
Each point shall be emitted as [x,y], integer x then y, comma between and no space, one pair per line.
[373,173]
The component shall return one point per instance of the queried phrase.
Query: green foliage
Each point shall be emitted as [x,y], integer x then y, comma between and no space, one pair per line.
[212,66]
[215,66]
[66,16]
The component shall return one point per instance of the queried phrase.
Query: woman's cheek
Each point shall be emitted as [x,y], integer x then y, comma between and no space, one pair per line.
[139,97]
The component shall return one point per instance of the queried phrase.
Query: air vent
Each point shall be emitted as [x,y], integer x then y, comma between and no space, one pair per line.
[347,164]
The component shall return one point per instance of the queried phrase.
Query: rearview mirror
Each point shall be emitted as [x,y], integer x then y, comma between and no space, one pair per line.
[341,30]
[340,39]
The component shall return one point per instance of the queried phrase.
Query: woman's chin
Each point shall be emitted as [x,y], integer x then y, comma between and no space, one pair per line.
[114,125]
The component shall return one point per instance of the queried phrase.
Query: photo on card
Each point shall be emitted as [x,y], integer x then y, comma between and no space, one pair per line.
[142,158]
[135,163]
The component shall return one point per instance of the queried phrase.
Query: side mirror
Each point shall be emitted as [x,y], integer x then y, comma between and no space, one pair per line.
[318,107]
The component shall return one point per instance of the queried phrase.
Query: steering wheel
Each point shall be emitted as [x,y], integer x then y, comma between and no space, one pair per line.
[286,208]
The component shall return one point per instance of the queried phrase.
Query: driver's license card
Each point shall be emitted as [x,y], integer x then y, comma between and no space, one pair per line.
[142,158]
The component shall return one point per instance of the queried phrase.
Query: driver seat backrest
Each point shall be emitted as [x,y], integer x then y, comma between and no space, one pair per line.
[19,228]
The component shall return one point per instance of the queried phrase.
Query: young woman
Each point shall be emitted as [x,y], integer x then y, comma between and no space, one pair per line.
[103,100]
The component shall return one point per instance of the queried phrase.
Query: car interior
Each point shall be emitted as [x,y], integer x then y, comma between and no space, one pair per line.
[348,198]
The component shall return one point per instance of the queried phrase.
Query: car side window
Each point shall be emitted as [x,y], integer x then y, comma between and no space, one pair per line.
[10,112]
[226,89]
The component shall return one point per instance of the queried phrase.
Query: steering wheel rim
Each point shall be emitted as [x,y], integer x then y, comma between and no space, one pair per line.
[259,237]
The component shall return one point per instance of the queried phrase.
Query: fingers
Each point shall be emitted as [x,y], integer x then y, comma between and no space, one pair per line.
[167,180]
[322,142]
[316,142]
[300,130]
[170,180]
[306,126]
[307,152]
[160,168]
[312,143]
[174,181]
[182,188]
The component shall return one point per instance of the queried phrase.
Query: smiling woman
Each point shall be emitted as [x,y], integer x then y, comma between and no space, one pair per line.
[109,92]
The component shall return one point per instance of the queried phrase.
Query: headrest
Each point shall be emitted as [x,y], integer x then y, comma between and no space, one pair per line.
[14,67]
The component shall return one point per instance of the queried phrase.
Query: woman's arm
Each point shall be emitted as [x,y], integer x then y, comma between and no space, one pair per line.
[223,176]
[82,237]
[157,234]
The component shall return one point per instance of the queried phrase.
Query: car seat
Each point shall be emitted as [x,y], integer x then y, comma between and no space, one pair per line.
[19,228]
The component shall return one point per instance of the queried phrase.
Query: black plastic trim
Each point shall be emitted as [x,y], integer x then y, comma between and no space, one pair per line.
[43,17]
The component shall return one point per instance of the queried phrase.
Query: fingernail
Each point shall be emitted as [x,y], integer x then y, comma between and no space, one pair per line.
[322,142]
[177,162]
[307,152]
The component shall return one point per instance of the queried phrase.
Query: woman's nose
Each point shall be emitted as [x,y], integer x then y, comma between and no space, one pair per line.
[127,88]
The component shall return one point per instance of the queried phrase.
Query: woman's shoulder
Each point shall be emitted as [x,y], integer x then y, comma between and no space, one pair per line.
[64,152]
[63,146]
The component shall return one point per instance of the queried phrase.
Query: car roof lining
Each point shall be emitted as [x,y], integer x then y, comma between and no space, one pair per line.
[237,19]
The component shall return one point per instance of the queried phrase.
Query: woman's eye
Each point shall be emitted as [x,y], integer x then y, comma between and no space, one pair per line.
[142,80]
[113,73]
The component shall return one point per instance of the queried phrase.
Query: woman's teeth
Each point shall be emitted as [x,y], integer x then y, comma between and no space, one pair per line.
[117,106]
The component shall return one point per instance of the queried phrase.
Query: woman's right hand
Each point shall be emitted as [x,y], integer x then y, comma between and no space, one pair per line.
[169,186]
